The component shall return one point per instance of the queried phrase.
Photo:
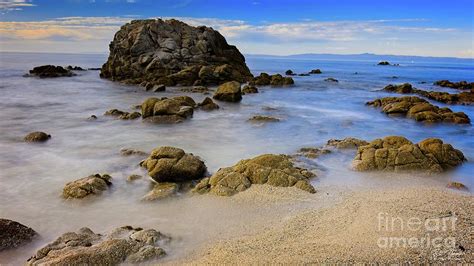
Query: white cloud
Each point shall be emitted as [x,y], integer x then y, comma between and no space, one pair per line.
[13,5]
[377,36]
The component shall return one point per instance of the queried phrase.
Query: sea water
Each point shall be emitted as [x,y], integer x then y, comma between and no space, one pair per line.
[311,112]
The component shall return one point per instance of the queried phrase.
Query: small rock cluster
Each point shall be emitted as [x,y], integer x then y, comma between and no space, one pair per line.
[271,169]
[398,154]
[123,115]
[37,136]
[465,97]
[419,110]
[50,71]
[84,247]
[265,79]
[461,85]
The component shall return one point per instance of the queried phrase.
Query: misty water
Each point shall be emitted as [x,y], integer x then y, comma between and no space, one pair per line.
[32,175]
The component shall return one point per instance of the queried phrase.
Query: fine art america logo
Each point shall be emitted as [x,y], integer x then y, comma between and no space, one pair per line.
[436,230]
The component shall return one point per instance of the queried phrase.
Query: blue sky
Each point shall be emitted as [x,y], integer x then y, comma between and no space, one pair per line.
[432,28]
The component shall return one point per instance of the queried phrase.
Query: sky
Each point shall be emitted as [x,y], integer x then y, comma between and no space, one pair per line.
[278,27]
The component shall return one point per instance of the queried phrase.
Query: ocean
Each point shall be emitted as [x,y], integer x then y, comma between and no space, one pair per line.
[311,112]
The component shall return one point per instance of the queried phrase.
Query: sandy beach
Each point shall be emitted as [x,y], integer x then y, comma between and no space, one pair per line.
[357,228]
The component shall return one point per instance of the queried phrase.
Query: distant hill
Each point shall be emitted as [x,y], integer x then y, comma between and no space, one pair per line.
[369,57]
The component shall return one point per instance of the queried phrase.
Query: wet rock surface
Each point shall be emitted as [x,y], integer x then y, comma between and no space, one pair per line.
[276,80]
[168,110]
[122,114]
[50,71]
[316,71]
[398,154]
[312,152]
[228,92]
[90,185]
[419,110]
[170,164]
[161,191]
[347,143]
[461,85]
[249,89]
[14,234]
[263,119]
[37,136]
[331,80]
[170,52]
[383,63]
[208,105]
[271,169]
[465,97]
[84,247]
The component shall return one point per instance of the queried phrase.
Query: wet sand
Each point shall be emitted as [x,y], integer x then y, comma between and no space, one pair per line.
[361,226]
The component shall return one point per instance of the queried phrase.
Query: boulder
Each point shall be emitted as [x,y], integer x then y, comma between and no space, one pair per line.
[271,169]
[312,152]
[419,110]
[457,185]
[161,191]
[169,164]
[315,71]
[402,88]
[37,136]
[168,110]
[50,71]
[84,247]
[208,105]
[249,89]
[347,143]
[228,92]
[274,80]
[171,52]
[383,63]
[398,154]
[93,184]
[14,234]
[290,72]
[263,119]
[461,85]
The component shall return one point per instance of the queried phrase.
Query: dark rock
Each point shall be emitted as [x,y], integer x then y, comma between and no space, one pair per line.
[14,234]
[168,110]
[331,80]
[465,97]
[93,184]
[37,136]
[196,89]
[383,63]
[50,71]
[229,92]
[271,169]
[94,68]
[123,115]
[122,245]
[311,152]
[130,152]
[169,164]
[170,52]
[158,88]
[347,143]
[419,110]
[249,89]
[315,71]
[275,80]
[398,154]
[290,72]
[92,117]
[303,74]
[263,119]
[208,104]
[75,68]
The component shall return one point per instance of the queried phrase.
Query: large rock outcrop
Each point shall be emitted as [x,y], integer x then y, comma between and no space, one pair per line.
[465,97]
[398,154]
[14,234]
[170,164]
[271,169]
[84,247]
[461,85]
[419,109]
[170,52]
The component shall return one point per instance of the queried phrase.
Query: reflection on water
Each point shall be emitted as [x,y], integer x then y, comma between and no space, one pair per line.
[313,111]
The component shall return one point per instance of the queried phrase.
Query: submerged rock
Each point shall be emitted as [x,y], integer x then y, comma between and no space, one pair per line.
[274,80]
[271,169]
[347,143]
[84,247]
[197,89]
[170,52]
[75,68]
[37,136]
[14,234]
[263,118]
[208,105]
[419,110]
[168,110]
[398,154]
[161,191]
[461,85]
[311,152]
[93,184]
[228,92]
[129,152]
[133,177]
[331,80]
[50,71]
[457,185]
[383,63]
[249,89]
[123,115]
[315,71]
[170,164]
